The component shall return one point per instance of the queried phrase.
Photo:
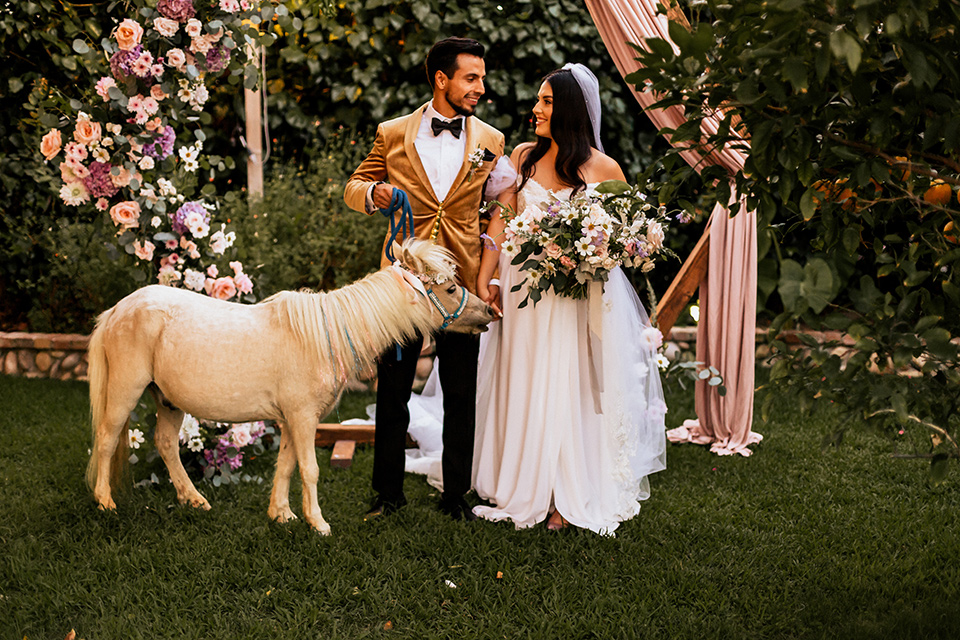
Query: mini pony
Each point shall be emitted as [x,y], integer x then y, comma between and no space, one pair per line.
[287,358]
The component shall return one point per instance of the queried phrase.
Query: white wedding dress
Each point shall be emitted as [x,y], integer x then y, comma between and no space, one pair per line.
[570,410]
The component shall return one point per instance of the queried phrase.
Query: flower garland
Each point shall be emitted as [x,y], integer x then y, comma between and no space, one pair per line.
[135,150]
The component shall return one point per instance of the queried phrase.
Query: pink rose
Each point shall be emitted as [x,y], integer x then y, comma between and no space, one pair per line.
[194,28]
[165,26]
[553,250]
[128,34]
[243,282]
[50,144]
[156,92]
[126,214]
[567,262]
[212,271]
[221,288]
[145,251]
[240,436]
[87,132]
[103,87]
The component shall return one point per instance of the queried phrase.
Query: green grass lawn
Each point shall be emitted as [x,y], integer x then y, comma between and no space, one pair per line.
[790,543]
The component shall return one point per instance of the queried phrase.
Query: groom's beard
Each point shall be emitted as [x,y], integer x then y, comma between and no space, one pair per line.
[460,107]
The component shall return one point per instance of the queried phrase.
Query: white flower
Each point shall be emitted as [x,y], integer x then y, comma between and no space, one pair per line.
[166,187]
[194,279]
[662,362]
[197,225]
[583,246]
[189,428]
[509,248]
[651,338]
[136,438]
[74,194]
[155,221]
[100,154]
[220,241]
[146,163]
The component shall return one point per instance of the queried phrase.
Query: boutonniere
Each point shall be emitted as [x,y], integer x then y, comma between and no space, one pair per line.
[477,157]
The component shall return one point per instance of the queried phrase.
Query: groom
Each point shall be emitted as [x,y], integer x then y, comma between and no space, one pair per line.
[441,156]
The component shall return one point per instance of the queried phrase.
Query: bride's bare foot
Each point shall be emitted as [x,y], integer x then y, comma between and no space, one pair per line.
[556,521]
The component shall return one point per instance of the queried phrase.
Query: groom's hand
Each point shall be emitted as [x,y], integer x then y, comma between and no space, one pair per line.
[382,195]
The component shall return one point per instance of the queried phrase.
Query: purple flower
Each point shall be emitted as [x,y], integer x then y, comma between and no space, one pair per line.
[162,145]
[179,10]
[179,217]
[218,58]
[121,62]
[98,183]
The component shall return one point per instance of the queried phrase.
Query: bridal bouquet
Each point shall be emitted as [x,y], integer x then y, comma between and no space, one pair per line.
[567,244]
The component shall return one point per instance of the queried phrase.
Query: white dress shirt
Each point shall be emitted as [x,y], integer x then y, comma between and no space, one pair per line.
[442,157]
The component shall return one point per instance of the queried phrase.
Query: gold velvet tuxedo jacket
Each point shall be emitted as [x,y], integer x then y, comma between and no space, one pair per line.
[455,221]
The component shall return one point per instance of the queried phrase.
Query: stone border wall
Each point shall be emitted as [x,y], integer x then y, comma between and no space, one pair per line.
[44,355]
[64,355]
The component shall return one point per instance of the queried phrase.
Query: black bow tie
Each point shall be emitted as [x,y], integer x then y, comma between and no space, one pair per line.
[454,126]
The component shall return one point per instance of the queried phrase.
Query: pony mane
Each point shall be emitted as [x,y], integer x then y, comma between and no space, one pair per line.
[347,329]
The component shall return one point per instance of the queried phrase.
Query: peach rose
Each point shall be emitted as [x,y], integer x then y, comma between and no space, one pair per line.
[126,214]
[50,144]
[128,34]
[166,27]
[221,288]
[87,132]
[144,251]
[156,92]
[121,179]
[176,58]
[194,28]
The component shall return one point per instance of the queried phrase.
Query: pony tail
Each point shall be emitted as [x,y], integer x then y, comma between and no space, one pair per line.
[98,376]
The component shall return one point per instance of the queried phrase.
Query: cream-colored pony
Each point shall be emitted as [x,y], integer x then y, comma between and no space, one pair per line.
[286,358]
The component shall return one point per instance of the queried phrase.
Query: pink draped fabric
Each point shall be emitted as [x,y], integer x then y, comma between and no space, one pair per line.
[726,334]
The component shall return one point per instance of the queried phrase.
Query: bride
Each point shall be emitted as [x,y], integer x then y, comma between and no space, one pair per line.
[570,411]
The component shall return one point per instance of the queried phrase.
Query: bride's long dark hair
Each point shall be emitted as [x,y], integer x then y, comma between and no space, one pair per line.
[571,129]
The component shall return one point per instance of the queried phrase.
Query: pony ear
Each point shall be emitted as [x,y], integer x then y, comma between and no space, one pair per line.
[398,253]
[410,256]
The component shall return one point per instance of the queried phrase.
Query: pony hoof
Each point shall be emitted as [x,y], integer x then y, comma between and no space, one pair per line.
[284,517]
[197,503]
[323,530]
[107,506]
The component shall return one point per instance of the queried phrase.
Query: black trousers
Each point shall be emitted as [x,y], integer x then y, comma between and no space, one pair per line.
[457,359]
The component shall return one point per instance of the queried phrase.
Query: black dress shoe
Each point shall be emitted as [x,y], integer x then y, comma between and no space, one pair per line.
[384,507]
[457,508]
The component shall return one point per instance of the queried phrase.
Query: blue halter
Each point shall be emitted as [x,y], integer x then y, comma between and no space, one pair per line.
[448,318]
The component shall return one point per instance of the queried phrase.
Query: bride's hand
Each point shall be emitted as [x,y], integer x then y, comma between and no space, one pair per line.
[490,293]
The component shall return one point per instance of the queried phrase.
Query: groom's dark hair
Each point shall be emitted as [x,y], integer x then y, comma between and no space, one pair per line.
[443,55]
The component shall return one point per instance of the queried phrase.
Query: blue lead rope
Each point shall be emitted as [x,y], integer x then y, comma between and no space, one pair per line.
[398,225]
[401,225]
